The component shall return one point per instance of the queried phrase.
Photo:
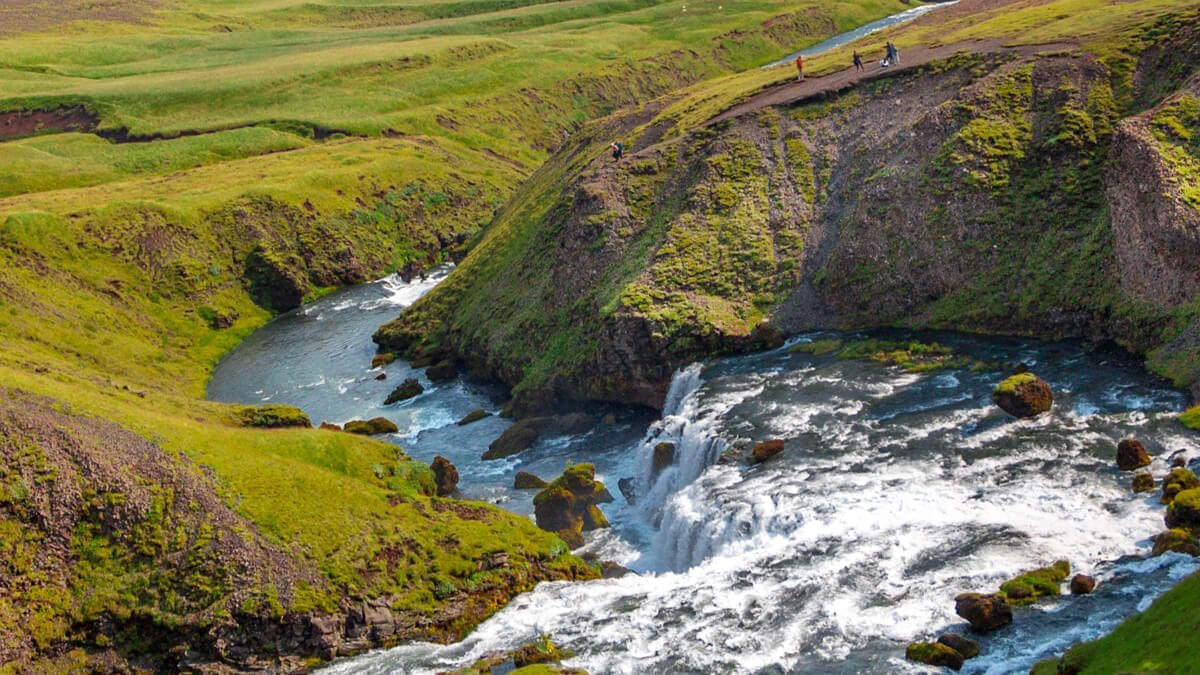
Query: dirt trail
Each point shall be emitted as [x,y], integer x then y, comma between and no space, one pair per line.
[910,58]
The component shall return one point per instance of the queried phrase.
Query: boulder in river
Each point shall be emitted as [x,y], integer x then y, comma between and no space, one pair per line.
[381,376]
[1027,587]
[963,645]
[527,481]
[1143,482]
[985,612]
[381,360]
[1177,481]
[570,503]
[1082,584]
[515,439]
[1184,511]
[765,450]
[664,455]
[409,388]
[474,416]
[934,654]
[371,427]
[441,371]
[628,489]
[1023,395]
[525,433]
[445,475]
[1177,540]
[1131,454]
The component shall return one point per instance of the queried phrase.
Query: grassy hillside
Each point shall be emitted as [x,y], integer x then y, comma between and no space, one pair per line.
[173,174]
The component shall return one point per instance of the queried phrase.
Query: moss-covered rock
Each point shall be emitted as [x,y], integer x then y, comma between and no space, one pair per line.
[963,645]
[371,427]
[934,654]
[1082,584]
[1023,395]
[1184,511]
[409,388]
[516,438]
[1029,586]
[1176,481]
[1177,540]
[474,416]
[765,450]
[271,416]
[985,612]
[1143,482]
[381,360]
[1131,454]
[527,481]
[571,503]
[445,475]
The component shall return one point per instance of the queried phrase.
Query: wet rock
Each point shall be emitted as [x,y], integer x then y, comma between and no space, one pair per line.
[570,503]
[371,427]
[628,489]
[441,371]
[445,475]
[1082,584]
[963,645]
[1184,511]
[1131,454]
[664,456]
[934,654]
[1023,395]
[329,427]
[609,419]
[1177,540]
[1177,481]
[765,450]
[985,612]
[1029,586]
[516,438]
[1143,482]
[381,376]
[409,388]
[612,570]
[1179,461]
[381,360]
[527,481]
[474,416]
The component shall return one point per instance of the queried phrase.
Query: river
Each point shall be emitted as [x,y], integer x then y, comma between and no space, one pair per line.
[896,492]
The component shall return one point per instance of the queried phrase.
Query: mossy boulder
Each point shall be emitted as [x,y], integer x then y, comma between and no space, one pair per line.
[1029,586]
[527,481]
[1191,418]
[445,475]
[1184,511]
[441,371]
[765,450]
[381,360]
[1082,584]
[371,427]
[985,612]
[571,503]
[516,438]
[409,388]
[963,645]
[1023,395]
[272,416]
[1176,540]
[934,654]
[664,456]
[1143,482]
[474,416]
[1131,454]
[1177,481]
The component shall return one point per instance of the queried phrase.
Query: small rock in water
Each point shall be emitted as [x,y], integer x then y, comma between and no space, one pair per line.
[1131,454]
[1177,540]
[407,389]
[628,491]
[441,371]
[1082,584]
[381,376]
[963,645]
[474,416]
[445,475]
[527,481]
[612,570]
[1023,395]
[664,455]
[765,450]
[383,359]
[1143,482]
[985,612]
[934,654]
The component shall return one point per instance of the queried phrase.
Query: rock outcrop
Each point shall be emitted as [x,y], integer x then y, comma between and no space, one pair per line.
[371,427]
[984,612]
[527,481]
[526,432]
[570,505]
[409,388]
[445,475]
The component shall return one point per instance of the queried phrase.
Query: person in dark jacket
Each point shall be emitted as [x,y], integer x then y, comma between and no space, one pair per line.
[617,150]
[858,65]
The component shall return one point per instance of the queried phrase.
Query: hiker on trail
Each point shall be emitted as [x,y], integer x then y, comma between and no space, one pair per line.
[800,68]
[895,55]
[617,149]
[858,61]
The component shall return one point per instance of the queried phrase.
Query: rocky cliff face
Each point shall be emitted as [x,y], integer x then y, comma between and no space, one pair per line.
[1013,192]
